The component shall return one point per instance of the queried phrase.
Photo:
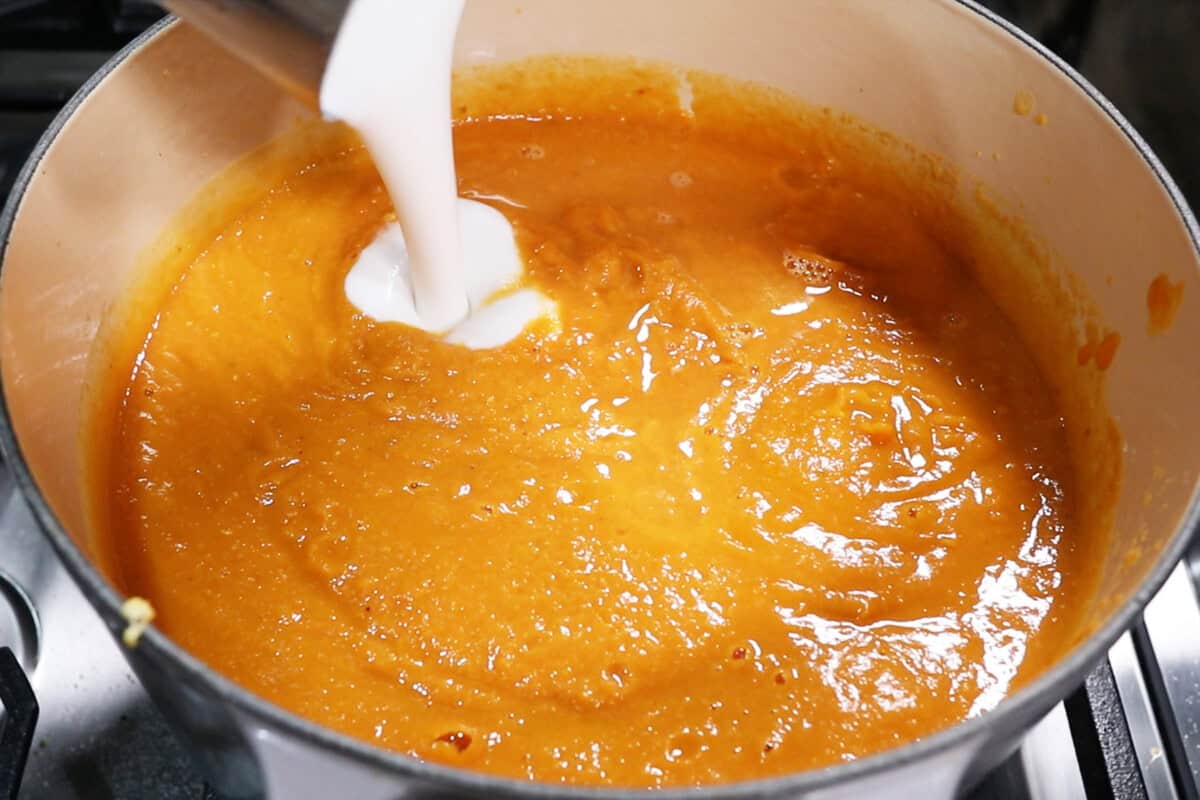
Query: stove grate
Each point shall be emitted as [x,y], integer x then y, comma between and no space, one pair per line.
[17,723]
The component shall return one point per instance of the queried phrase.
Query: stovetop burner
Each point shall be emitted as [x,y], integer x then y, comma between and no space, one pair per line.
[1131,731]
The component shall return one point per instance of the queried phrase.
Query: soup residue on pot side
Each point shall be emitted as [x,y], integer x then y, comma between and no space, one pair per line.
[781,487]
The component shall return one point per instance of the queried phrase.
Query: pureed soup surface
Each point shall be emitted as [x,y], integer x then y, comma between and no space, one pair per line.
[781,487]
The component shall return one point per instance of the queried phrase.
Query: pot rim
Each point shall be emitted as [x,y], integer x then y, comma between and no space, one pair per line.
[1009,716]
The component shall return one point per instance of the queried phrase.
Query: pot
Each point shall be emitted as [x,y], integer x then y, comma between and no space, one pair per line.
[171,111]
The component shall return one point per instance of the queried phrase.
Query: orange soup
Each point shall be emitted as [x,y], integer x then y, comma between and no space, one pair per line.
[779,487]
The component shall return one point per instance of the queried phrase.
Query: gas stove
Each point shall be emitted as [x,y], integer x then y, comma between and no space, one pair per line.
[1132,730]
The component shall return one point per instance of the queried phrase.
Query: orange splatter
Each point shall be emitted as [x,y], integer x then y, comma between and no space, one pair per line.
[1023,103]
[1106,351]
[1099,349]
[1163,299]
[1086,351]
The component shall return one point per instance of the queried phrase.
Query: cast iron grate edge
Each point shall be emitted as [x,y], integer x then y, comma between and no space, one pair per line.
[17,725]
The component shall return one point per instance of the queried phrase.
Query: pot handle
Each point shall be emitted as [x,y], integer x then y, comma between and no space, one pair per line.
[16,729]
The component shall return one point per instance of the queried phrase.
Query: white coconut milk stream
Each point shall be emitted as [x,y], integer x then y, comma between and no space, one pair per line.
[445,267]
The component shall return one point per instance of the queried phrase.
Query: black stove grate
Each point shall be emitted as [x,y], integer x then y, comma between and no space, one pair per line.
[18,719]
[1108,761]
[73,24]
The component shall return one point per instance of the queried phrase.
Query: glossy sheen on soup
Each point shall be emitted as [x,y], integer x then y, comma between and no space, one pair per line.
[779,488]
